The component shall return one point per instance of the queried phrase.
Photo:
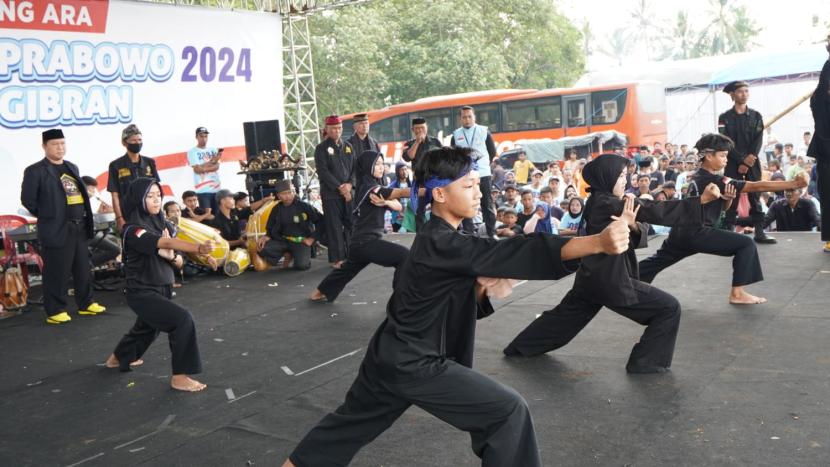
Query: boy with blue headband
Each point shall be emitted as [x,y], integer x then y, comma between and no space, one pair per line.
[422,353]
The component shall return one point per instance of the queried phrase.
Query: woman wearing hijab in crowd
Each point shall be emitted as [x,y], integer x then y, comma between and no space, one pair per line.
[366,246]
[569,225]
[149,260]
[405,218]
[611,281]
[571,192]
[542,221]
[422,354]
[708,238]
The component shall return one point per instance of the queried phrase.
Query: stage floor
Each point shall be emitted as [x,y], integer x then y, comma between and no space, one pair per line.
[749,385]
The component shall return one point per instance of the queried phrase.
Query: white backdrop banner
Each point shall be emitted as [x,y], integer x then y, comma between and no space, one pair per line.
[91,67]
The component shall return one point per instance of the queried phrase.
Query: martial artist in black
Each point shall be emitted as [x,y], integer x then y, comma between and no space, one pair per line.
[612,280]
[820,145]
[293,226]
[745,127]
[686,241]
[53,191]
[360,140]
[421,143]
[793,213]
[423,352]
[149,259]
[334,160]
[366,245]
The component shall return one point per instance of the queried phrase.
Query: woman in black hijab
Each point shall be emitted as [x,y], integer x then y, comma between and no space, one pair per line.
[366,245]
[149,260]
[612,281]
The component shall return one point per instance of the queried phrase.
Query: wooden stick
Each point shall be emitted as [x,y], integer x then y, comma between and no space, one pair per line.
[789,109]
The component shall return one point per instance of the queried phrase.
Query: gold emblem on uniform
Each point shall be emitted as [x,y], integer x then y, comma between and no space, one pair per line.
[348,150]
[124,173]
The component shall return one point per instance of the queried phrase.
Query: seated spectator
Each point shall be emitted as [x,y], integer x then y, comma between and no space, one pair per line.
[535,185]
[245,208]
[292,227]
[508,228]
[100,202]
[172,212]
[570,192]
[192,210]
[793,213]
[542,221]
[569,226]
[643,184]
[528,209]
[500,215]
[555,189]
[660,196]
[226,219]
[511,200]
[495,195]
[546,196]
[670,190]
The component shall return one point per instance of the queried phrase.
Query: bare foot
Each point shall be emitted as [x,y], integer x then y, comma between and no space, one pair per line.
[288,463]
[337,265]
[317,296]
[739,296]
[177,285]
[186,383]
[113,362]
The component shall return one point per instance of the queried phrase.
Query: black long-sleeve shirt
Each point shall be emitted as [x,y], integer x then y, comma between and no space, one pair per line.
[334,162]
[803,218]
[298,220]
[747,131]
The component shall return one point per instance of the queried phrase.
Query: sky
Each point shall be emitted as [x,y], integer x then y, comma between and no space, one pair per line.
[783,27]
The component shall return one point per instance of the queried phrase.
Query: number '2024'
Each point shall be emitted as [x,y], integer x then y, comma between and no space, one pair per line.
[213,65]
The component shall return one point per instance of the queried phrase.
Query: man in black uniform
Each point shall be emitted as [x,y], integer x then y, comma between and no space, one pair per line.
[820,145]
[292,226]
[421,142]
[745,127]
[334,160]
[226,220]
[125,169]
[793,213]
[360,140]
[53,191]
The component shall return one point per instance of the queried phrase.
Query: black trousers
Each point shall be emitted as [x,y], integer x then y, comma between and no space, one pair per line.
[378,251]
[655,309]
[337,214]
[823,181]
[496,416]
[157,313]
[276,247]
[58,263]
[746,266]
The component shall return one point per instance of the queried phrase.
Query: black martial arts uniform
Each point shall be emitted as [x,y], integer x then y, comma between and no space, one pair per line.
[747,131]
[366,245]
[149,290]
[56,195]
[362,145]
[422,353]
[287,227]
[122,172]
[612,280]
[820,145]
[334,162]
[686,241]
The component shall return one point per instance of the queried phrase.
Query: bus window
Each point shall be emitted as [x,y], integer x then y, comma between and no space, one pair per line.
[533,114]
[383,131]
[486,115]
[437,120]
[608,106]
[576,111]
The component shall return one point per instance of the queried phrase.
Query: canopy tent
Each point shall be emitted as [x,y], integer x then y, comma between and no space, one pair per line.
[549,150]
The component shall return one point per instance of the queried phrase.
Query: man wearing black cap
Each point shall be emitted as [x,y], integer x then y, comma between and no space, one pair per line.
[421,142]
[820,145]
[53,191]
[293,226]
[334,161]
[226,219]
[745,127]
[204,160]
[360,140]
[125,169]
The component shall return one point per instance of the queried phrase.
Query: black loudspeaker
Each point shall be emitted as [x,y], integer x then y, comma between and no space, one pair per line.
[262,136]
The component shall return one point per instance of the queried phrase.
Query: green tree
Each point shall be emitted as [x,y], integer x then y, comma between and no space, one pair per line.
[729,30]
[682,39]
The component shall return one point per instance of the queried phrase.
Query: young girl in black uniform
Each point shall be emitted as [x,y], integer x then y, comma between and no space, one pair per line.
[149,261]
[366,245]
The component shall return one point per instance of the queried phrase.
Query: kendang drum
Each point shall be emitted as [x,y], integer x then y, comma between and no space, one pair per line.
[15,293]
[196,233]
[238,261]
[255,230]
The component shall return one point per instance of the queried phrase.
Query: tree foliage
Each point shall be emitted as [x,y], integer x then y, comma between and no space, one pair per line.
[394,51]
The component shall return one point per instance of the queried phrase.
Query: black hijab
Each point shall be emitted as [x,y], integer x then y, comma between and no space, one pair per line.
[134,204]
[363,173]
[601,174]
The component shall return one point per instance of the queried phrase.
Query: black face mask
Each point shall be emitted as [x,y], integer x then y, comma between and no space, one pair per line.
[134,148]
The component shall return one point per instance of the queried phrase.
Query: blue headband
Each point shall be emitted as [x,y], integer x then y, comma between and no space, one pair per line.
[434,182]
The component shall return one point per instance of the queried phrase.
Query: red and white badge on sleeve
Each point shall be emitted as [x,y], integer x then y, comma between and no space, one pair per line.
[139,232]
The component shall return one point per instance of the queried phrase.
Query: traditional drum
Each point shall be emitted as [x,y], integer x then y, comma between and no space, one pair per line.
[256,229]
[238,261]
[196,233]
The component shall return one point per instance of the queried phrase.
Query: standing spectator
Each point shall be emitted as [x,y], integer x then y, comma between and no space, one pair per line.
[421,142]
[125,169]
[535,183]
[334,160]
[669,175]
[571,160]
[555,189]
[478,138]
[770,144]
[510,199]
[204,160]
[522,168]
[805,143]
[360,140]
[498,173]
